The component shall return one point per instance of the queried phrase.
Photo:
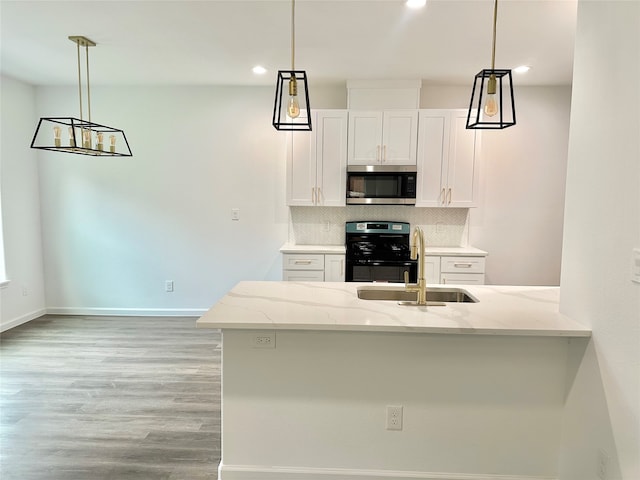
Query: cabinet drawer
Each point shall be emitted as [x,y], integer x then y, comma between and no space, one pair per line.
[295,261]
[303,276]
[462,265]
[462,278]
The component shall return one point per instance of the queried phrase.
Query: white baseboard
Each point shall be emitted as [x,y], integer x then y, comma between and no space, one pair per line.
[246,472]
[129,312]
[22,319]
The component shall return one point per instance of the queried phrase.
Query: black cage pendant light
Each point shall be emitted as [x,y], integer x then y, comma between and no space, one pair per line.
[492,105]
[291,110]
[84,136]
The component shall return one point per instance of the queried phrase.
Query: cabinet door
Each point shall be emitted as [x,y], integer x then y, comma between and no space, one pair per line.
[331,157]
[334,265]
[365,137]
[301,169]
[432,269]
[433,152]
[462,167]
[399,137]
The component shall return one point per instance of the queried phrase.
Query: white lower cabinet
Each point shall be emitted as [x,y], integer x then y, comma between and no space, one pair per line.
[334,266]
[432,267]
[313,267]
[462,270]
[454,270]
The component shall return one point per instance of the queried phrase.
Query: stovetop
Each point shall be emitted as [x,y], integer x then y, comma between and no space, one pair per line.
[377,241]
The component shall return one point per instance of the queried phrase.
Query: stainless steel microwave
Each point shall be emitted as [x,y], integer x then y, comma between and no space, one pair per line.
[381,184]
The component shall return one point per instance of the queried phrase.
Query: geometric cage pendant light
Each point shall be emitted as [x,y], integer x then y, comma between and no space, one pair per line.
[291,110]
[77,135]
[492,104]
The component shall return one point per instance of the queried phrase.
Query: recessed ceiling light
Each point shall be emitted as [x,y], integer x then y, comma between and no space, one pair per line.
[522,69]
[416,3]
[259,70]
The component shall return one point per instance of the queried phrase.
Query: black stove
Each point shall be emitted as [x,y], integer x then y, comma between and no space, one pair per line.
[378,251]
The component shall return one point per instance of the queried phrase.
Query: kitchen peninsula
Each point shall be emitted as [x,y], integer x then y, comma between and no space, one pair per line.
[309,370]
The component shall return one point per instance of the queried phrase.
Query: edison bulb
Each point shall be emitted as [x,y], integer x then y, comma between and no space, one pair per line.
[72,137]
[99,143]
[112,141]
[56,135]
[293,107]
[491,106]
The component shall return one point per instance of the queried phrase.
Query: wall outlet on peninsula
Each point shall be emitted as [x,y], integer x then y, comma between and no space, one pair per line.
[394,417]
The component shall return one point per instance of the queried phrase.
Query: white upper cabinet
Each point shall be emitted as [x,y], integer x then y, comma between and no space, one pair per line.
[316,161]
[386,137]
[448,163]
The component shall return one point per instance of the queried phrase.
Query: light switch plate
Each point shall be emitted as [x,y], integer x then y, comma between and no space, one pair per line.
[635,266]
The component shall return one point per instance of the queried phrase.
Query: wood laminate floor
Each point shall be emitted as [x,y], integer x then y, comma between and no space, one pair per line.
[97,398]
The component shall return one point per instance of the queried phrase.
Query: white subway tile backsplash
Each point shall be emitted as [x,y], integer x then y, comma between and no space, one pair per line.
[443,227]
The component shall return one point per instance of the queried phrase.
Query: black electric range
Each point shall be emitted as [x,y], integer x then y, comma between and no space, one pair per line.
[378,251]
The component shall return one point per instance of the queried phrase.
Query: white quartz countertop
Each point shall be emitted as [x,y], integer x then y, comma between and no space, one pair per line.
[501,310]
[340,249]
[321,249]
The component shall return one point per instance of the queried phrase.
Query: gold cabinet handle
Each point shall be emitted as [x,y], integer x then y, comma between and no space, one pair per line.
[318,196]
[449,201]
[378,159]
[302,262]
[384,154]
[462,265]
[444,196]
[313,195]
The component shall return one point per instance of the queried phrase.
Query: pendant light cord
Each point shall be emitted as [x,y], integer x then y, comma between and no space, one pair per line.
[293,33]
[79,82]
[493,48]
[86,47]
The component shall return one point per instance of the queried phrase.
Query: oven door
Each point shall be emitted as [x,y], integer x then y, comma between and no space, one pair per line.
[382,271]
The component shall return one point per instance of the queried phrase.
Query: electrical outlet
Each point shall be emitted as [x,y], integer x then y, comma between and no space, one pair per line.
[603,463]
[235,214]
[25,291]
[168,286]
[264,340]
[394,417]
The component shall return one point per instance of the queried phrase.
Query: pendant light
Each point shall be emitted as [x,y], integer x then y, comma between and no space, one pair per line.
[291,110]
[493,90]
[84,137]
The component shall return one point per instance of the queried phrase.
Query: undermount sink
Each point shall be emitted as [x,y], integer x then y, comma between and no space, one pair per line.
[437,295]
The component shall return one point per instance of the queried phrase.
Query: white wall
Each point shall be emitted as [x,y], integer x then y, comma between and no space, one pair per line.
[116,228]
[520,213]
[602,225]
[23,298]
[475,407]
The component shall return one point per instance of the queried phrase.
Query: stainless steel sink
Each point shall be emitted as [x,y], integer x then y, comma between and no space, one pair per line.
[437,295]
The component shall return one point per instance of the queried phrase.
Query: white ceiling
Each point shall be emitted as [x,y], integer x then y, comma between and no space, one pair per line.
[215,42]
